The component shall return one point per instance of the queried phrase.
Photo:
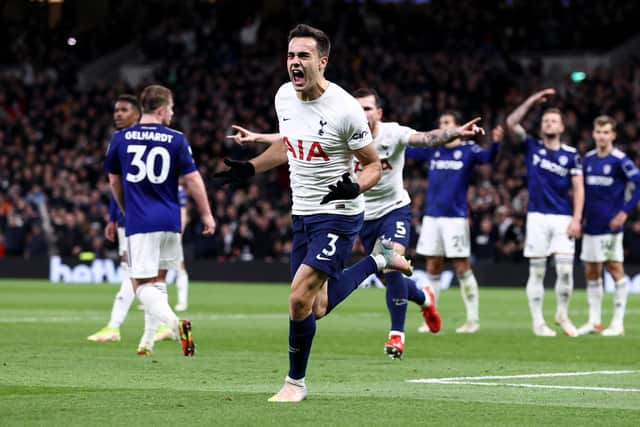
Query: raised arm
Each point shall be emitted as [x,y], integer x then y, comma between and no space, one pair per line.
[437,137]
[244,136]
[239,172]
[513,120]
[272,157]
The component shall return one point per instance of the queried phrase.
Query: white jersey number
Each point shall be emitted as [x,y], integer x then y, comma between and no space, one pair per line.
[332,244]
[146,169]
[401,230]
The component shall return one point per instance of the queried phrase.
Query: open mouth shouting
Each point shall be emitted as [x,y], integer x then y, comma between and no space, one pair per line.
[297,78]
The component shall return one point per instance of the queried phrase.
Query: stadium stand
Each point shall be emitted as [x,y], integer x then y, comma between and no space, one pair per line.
[224,69]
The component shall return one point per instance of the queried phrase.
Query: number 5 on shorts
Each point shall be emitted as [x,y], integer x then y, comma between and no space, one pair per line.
[401,230]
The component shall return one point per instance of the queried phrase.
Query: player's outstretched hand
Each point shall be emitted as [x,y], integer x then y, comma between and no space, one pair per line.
[542,96]
[243,136]
[470,129]
[497,134]
[342,190]
[238,172]
[110,231]
[574,229]
[618,221]
[209,225]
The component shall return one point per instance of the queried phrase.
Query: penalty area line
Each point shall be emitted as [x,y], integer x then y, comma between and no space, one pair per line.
[482,381]
[547,386]
[522,376]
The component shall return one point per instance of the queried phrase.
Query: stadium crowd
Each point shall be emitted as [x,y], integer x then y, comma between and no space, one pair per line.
[54,196]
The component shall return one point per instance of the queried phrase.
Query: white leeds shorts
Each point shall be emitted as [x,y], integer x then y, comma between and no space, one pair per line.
[446,237]
[122,241]
[546,235]
[602,248]
[151,252]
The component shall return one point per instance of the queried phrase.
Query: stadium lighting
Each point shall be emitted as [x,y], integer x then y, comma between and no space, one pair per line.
[578,76]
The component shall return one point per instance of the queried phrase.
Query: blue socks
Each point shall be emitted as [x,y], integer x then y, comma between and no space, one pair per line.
[301,333]
[300,339]
[348,281]
[415,294]
[397,295]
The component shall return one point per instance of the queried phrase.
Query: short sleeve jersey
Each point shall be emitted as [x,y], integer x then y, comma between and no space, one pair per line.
[320,137]
[150,158]
[549,175]
[605,183]
[389,193]
[450,172]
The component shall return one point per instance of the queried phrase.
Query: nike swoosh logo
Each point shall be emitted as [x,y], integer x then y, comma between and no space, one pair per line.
[284,119]
[321,258]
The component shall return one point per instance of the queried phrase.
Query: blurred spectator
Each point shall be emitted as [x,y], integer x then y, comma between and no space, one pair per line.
[483,239]
[510,236]
[36,242]
[53,132]
[15,235]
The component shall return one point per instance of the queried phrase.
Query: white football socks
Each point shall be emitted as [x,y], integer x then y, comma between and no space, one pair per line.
[535,288]
[123,300]
[154,298]
[469,292]
[151,324]
[620,301]
[594,296]
[564,285]
[182,286]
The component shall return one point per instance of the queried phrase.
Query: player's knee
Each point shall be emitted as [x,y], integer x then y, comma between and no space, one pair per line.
[299,303]
[616,270]
[399,248]
[435,265]
[593,270]
[537,269]
[564,269]
[461,266]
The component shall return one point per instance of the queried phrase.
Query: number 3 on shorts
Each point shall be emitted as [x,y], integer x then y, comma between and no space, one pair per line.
[333,238]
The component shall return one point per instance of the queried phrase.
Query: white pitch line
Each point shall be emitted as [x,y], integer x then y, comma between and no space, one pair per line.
[556,387]
[508,377]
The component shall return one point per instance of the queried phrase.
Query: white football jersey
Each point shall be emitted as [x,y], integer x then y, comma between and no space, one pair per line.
[389,193]
[320,136]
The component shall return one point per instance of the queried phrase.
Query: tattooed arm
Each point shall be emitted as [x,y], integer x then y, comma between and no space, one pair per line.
[514,119]
[439,137]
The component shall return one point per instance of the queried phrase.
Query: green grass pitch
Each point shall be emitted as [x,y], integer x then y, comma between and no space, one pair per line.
[51,375]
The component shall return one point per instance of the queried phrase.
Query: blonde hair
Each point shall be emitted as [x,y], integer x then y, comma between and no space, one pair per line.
[154,97]
[604,120]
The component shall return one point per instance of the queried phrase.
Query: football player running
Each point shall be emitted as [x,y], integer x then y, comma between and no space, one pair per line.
[388,210]
[321,127]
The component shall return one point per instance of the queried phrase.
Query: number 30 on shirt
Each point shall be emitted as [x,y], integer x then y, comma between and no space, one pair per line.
[145,168]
